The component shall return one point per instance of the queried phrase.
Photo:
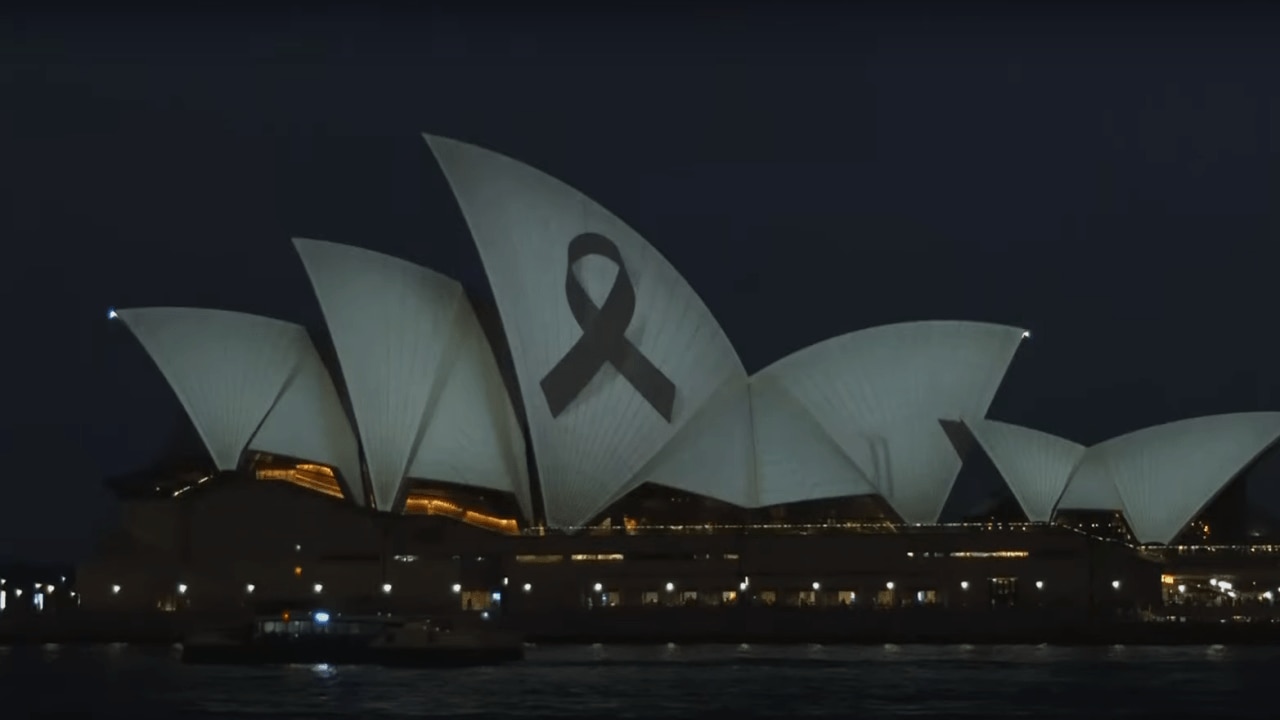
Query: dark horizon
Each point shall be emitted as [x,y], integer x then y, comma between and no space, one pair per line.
[1106,178]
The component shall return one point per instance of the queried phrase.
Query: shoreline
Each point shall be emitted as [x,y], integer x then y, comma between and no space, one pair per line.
[692,626]
[1138,636]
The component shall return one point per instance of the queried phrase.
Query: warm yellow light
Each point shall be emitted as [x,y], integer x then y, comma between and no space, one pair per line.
[423,505]
[311,477]
[318,469]
[991,554]
[539,558]
[297,571]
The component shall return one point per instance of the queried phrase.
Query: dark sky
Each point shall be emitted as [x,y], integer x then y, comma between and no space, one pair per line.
[1110,182]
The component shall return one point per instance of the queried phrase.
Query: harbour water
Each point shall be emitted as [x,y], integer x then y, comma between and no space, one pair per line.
[660,681]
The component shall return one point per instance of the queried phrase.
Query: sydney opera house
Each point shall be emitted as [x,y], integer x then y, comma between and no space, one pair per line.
[597,443]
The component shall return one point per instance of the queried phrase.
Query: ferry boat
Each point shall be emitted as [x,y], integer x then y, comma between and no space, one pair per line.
[322,637]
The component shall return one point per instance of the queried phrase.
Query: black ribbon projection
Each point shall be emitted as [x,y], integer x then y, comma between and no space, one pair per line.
[604,337]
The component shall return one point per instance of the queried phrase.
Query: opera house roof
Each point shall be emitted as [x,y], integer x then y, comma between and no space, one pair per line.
[1160,477]
[626,378]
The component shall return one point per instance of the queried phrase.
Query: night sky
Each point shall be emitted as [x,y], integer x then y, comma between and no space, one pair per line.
[1111,183]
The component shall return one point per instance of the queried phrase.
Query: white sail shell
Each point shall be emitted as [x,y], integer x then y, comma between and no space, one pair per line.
[1035,465]
[880,394]
[522,221]
[423,383]
[243,377]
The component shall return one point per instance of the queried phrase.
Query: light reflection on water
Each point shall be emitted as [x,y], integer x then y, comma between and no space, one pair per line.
[743,681]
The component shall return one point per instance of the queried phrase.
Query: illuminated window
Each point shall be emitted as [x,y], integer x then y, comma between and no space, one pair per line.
[1003,590]
[994,554]
[417,504]
[536,559]
[476,600]
[316,478]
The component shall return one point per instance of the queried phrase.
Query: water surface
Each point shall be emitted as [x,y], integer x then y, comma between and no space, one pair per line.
[651,682]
